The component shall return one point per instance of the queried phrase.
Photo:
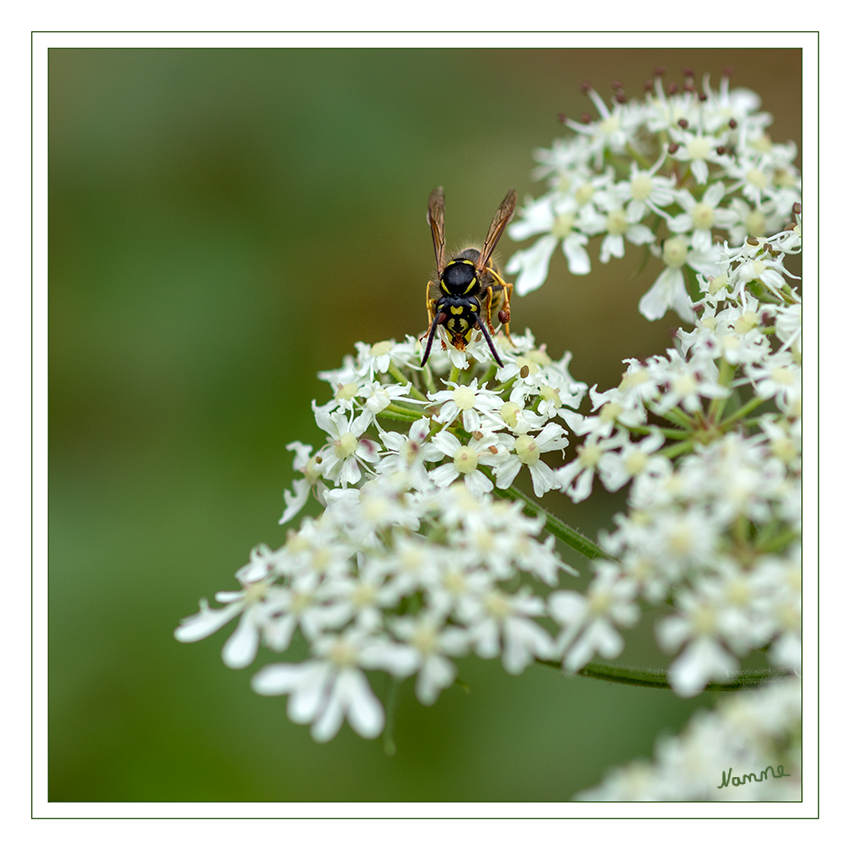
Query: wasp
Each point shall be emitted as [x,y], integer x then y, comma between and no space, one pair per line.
[468,288]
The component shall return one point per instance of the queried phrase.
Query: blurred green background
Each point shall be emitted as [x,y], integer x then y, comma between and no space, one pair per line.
[222,225]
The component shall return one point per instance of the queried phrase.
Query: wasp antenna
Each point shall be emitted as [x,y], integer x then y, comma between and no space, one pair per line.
[431,332]
[489,339]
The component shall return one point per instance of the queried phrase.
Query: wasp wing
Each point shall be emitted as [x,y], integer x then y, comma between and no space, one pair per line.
[437,220]
[497,227]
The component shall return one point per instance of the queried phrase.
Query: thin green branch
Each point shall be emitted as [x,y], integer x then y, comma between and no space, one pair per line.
[677,449]
[677,417]
[390,695]
[742,411]
[669,433]
[657,677]
[718,404]
[401,414]
[574,539]
[396,373]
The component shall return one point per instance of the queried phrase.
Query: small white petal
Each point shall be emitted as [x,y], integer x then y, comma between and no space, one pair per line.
[206,622]
[532,264]
[364,709]
[277,679]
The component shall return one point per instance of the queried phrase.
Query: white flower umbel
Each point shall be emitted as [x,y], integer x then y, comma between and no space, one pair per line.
[673,171]
[408,523]
[425,547]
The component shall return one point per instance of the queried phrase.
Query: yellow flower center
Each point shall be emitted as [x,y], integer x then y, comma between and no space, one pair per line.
[464,398]
[380,348]
[563,225]
[746,322]
[675,252]
[345,446]
[758,178]
[636,462]
[699,147]
[425,638]
[703,216]
[342,653]
[465,460]
[548,393]
[756,223]
[616,223]
[527,450]
[584,193]
[497,604]
[508,412]
[641,187]
[589,455]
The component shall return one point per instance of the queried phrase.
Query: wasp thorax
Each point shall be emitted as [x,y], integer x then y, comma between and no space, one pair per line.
[459,277]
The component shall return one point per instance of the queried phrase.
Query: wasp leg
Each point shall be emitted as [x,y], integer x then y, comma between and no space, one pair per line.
[505,312]
[505,304]
[488,307]
[429,302]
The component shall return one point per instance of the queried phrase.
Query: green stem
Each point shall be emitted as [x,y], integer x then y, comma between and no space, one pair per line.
[574,539]
[677,449]
[669,433]
[389,704]
[678,417]
[657,677]
[429,380]
[727,372]
[638,157]
[401,414]
[397,374]
[779,542]
[741,412]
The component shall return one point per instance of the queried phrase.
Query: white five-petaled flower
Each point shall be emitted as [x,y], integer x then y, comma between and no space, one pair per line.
[428,642]
[633,459]
[698,150]
[557,219]
[502,623]
[526,450]
[619,225]
[576,478]
[705,657]
[465,460]
[240,649]
[469,402]
[408,453]
[330,688]
[669,290]
[589,621]
[343,457]
[699,217]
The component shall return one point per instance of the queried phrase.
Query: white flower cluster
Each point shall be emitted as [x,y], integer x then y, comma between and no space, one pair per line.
[671,172]
[412,560]
[714,499]
[748,749]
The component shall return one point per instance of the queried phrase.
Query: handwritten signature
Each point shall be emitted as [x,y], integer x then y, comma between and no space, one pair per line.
[779,773]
